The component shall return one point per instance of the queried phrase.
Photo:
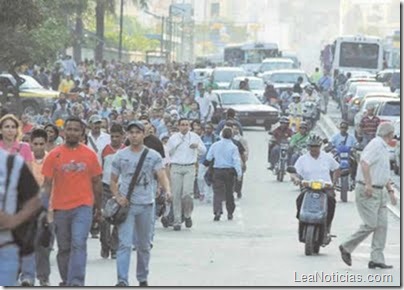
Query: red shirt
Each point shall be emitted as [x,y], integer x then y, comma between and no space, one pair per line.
[72,171]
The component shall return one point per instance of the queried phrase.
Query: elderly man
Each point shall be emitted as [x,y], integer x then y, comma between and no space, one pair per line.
[373,175]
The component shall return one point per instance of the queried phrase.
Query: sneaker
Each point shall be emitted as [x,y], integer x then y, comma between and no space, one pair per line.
[44,283]
[188,222]
[113,255]
[230,216]
[121,284]
[177,228]
[165,222]
[104,253]
[26,283]
[216,218]
[239,195]
[143,284]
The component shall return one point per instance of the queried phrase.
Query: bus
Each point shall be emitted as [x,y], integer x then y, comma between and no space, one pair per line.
[250,55]
[391,48]
[354,53]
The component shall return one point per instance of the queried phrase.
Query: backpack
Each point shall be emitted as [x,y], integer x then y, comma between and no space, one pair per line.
[24,235]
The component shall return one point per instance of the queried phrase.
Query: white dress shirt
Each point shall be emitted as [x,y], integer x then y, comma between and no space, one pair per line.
[178,147]
[103,140]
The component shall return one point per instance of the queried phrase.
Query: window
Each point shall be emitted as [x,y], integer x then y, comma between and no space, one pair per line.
[390,109]
[361,55]
[214,9]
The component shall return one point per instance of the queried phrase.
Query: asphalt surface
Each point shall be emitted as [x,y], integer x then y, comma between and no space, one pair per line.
[258,248]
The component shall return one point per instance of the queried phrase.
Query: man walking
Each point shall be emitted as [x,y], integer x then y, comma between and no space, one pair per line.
[140,219]
[184,148]
[108,239]
[373,175]
[368,125]
[226,163]
[73,175]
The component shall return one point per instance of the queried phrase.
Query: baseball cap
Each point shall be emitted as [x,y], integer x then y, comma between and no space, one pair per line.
[94,119]
[136,124]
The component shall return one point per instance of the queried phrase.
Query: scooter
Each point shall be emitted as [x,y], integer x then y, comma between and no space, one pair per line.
[313,214]
[280,167]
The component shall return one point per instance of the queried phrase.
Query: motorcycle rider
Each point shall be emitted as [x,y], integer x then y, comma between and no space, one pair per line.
[282,133]
[298,142]
[295,111]
[286,98]
[317,165]
[346,139]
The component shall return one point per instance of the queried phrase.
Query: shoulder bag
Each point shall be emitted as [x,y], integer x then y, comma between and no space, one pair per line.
[113,212]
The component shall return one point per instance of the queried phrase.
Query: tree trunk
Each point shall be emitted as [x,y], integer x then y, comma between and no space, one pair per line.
[78,36]
[99,16]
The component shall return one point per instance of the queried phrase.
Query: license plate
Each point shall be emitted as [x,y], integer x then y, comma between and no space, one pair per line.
[260,121]
[344,155]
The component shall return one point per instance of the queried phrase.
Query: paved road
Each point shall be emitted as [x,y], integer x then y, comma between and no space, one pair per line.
[258,248]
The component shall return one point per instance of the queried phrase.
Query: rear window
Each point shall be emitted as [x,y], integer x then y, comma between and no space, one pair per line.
[390,109]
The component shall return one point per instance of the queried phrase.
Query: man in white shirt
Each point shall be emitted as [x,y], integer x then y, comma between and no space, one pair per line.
[184,148]
[317,165]
[205,105]
[97,140]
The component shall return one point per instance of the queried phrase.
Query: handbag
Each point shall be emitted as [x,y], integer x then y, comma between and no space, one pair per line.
[113,212]
[24,235]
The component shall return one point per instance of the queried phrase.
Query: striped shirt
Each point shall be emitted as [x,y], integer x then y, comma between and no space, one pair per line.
[369,125]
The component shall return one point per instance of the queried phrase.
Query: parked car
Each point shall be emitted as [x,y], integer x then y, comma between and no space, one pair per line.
[276,63]
[390,78]
[389,111]
[34,97]
[249,110]
[286,78]
[361,92]
[256,85]
[222,76]
[371,99]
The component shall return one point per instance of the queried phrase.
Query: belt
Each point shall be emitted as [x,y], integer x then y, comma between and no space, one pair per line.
[222,168]
[374,186]
[183,164]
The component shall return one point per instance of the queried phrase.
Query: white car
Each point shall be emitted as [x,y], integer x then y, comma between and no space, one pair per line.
[222,76]
[202,75]
[370,99]
[257,85]
[275,63]
[285,78]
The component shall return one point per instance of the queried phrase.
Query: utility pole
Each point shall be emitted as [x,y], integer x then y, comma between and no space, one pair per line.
[120,31]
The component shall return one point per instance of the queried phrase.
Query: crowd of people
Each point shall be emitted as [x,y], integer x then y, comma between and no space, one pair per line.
[86,149]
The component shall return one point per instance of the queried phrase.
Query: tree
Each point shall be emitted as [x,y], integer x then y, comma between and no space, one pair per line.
[103,6]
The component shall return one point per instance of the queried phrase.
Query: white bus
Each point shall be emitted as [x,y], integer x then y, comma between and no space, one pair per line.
[357,53]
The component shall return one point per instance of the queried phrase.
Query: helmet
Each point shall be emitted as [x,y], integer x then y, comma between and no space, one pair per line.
[284,120]
[295,95]
[304,125]
[309,88]
[314,140]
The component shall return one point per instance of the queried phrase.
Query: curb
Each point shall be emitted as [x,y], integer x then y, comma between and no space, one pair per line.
[329,128]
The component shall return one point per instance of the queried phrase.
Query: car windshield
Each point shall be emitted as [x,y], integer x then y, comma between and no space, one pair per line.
[369,103]
[391,109]
[226,76]
[268,66]
[354,86]
[255,84]
[239,99]
[286,77]
[30,83]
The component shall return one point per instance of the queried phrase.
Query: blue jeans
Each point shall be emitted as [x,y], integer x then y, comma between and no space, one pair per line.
[28,268]
[9,264]
[139,223]
[72,228]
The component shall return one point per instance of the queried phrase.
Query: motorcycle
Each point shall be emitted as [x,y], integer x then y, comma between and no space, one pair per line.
[343,155]
[280,167]
[313,214]
[309,113]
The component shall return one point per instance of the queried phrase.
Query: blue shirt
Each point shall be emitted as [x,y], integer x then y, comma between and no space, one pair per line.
[226,155]
[222,123]
[338,140]
[208,140]
[325,83]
